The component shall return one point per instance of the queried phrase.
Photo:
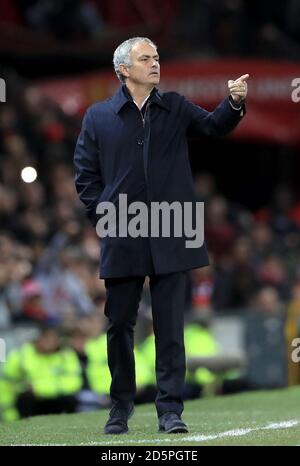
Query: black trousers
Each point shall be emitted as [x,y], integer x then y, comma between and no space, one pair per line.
[121,308]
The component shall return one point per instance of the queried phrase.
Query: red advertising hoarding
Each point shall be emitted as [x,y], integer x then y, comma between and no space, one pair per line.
[273,101]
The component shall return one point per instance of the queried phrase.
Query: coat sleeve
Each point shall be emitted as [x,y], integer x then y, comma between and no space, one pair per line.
[88,179]
[219,122]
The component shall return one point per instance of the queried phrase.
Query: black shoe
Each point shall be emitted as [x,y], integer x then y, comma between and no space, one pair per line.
[171,423]
[117,422]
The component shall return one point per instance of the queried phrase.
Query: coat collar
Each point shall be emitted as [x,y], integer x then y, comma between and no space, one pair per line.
[123,96]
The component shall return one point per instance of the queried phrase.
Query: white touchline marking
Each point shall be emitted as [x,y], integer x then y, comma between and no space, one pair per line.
[194,438]
[282,425]
[203,438]
[39,445]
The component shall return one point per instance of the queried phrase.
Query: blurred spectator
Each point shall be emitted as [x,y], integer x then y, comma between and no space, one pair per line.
[199,342]
[267,301]
[39,378]
[279,215]
[63,276]
[262,239]
[292,331]
[94,371]
[65,19]
[31,302]
[202,282]
[220,233]
[235,278]
[205,187]
[272,273]
[264,343]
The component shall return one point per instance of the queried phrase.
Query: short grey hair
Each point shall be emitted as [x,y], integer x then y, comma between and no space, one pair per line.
[122,54]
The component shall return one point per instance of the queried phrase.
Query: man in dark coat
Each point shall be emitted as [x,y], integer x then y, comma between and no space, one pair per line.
[135,144]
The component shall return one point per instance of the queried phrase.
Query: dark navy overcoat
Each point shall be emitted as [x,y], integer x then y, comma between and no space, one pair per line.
[121,152]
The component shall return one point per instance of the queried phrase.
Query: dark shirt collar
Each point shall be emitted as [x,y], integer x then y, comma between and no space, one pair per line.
[123,96]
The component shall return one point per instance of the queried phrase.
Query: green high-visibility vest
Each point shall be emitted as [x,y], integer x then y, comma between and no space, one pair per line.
[198,342]
[47,375]
[8,412]
[147,349]
[98,371]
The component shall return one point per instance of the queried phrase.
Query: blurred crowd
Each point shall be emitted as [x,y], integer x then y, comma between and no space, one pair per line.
[250,251]
[207,27]
[50,253]
[50,268]
[64,20]
[256,28]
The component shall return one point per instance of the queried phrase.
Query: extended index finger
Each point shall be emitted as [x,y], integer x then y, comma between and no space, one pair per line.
[244,77]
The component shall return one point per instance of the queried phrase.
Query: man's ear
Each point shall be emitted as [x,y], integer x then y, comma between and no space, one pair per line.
[123,70]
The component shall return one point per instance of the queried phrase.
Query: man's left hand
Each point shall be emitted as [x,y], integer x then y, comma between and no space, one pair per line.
[238,89]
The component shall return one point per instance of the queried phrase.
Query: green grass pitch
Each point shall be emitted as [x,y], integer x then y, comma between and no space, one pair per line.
[257,418]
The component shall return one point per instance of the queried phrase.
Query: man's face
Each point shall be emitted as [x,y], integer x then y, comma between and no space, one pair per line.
[144,67]
[48,342]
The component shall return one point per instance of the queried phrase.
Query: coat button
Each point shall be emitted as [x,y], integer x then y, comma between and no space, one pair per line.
[140,142]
